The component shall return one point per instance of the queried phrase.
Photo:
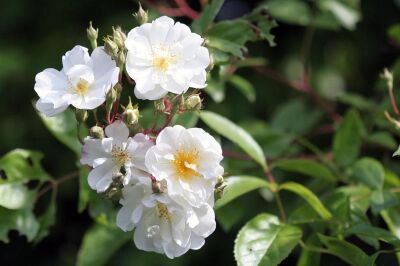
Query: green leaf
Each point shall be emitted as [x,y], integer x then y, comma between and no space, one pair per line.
[306,167]
[346,14]
[356,101]
[383,139]
[308,196]
[265,241]
[84,189]
[367,230]
[347,140]
[290,11]
[295,116]
[13,195]
[46,220]
[307,257]
[225,46]
[394,32]
[382,199]
[239,185]
[23,220]
[344,250]
[392,219]
[368,171]
[99,244]
[237,31]
[236,134]
[187,119]
[22,165]
[63,128]
[207,16]
[244,86]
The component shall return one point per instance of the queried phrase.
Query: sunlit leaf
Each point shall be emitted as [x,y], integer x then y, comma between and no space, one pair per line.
[308,196]
[236,134]
[306,167]
[265,241]
[239,185]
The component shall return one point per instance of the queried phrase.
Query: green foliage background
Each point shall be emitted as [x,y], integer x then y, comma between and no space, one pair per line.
[344,66]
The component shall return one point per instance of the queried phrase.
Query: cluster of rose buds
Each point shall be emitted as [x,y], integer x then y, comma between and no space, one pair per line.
[164,178]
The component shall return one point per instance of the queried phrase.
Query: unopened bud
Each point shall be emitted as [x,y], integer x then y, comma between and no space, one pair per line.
[159,106]
[117,178]
[141,15]
[121,60]
[92,35]
[119,37]
[110,47]
[96,132]
[114,193]
[388,76]
[110,99]
[219,188]
[157,187]
[81,115]
[193,103]
[131,113]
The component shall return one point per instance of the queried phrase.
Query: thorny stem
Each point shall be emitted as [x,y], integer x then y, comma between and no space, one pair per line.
[54,183]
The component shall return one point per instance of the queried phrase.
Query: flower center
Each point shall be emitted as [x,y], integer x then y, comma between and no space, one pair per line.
[185,164]
[162,211]
[163,58]
[81,87]
[161,63]
[120,156]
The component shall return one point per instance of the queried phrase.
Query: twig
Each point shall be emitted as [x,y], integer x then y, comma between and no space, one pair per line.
[54,183]
[182,10]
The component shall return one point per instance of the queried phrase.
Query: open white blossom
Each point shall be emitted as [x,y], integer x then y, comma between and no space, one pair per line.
[108,155]
[163,57]
[83,82]
[189,161]
[163,225]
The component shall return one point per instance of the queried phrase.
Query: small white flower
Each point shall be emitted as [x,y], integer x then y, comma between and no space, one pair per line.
[165,57]
[108,155]
[83,82]
[162,225]
[189,161]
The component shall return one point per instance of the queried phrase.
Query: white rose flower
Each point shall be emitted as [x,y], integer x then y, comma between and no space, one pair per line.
[108,155]
[83,82]
[163,225]
[189,161]
[165,57]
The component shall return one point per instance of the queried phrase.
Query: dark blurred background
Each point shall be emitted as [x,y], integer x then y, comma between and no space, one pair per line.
[34,36]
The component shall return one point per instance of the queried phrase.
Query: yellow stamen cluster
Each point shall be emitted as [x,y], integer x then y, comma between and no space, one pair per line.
[162,63]
[120,156]
[185,164]
[81,87]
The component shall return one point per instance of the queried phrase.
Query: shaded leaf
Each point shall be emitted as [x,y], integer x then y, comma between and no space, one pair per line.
[306,167]
[374,232]
[99,244]
[244,86]
[207,16]
[368,171]
[84,189]
[345,250]
[347,140]
[63,128]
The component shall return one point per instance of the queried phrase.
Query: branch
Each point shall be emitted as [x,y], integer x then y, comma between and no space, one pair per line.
[54,183]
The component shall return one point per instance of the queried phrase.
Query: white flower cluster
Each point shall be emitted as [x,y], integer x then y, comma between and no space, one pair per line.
[162,57]
[168,185]
[166,179]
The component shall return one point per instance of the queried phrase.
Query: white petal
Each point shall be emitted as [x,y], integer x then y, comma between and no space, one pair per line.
[95,149]
[118,131]
[77,56]
[100,177]
[48,108]
[102,63]
[51,81]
